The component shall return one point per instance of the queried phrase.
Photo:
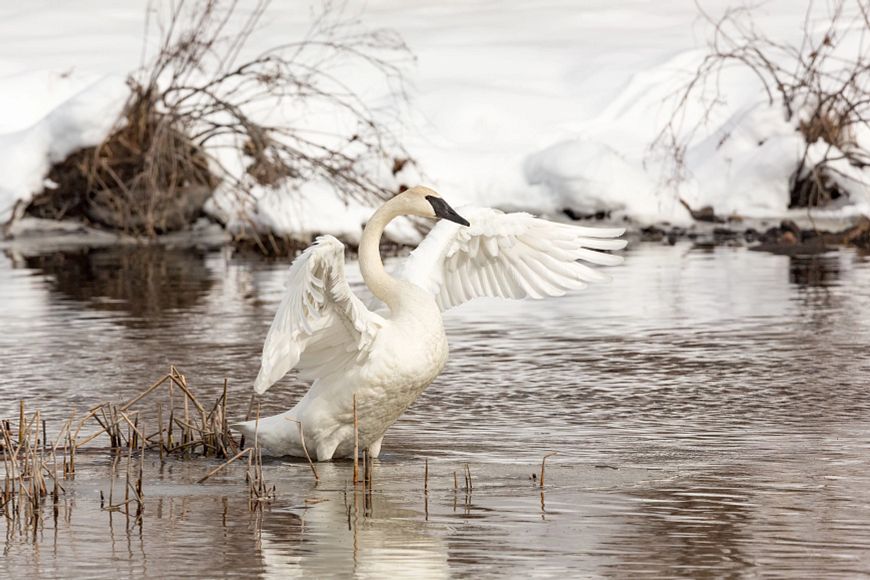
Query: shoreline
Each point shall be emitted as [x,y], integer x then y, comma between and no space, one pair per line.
[779,236]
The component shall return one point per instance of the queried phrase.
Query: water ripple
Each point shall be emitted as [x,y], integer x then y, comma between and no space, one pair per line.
[709,408]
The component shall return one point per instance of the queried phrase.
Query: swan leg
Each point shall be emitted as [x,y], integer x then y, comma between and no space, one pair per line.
[375,448]
[326,449]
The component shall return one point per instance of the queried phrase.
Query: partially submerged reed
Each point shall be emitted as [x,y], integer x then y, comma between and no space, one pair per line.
[189,429]
[26,468]
[176,425]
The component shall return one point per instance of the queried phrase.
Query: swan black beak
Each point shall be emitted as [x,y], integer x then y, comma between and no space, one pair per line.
[444,211]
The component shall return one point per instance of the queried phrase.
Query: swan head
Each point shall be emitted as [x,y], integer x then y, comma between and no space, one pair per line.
[424,202]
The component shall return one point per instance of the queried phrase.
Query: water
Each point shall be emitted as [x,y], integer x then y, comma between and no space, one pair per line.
[709,408]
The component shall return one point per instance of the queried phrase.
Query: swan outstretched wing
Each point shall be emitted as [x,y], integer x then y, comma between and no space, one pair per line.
[321,326]
[508,255]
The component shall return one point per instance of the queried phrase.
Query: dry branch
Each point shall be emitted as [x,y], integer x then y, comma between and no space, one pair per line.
[198,98]
[823,91]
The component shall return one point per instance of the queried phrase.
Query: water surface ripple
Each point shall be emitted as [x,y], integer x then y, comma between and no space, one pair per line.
[709,407]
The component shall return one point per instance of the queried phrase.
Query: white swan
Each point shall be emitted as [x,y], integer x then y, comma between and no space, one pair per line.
[387,358]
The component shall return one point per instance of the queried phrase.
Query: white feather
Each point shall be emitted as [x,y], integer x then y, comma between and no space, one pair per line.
[508,255]
[371,367]
[318,316]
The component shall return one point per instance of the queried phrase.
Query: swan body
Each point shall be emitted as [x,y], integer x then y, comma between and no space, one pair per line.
[384,359]
[404,356]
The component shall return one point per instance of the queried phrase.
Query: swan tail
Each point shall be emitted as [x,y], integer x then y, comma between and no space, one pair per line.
[277,435]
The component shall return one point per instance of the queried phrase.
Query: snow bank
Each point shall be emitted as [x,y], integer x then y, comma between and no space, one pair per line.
[311,210]
[81,118]
[740,162]
[518,105]
[742,168]
[588,177]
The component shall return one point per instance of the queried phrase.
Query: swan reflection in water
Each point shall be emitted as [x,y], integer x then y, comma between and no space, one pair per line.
[349,532]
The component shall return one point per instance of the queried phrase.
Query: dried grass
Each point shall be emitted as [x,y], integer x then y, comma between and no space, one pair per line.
[197,99]
[30,462]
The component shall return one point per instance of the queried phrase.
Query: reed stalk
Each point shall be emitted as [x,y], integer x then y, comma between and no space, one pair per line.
[355,443]
[33,466]
[544,465]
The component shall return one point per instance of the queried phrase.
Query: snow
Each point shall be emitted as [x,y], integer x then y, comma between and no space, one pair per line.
[312,210]
[81,119]
[754,150]
[536,106]
[588,176]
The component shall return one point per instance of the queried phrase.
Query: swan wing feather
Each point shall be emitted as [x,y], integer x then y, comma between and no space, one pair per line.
[320,326]
[509,255]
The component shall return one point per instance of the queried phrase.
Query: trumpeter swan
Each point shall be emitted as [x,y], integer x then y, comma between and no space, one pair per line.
[387,358]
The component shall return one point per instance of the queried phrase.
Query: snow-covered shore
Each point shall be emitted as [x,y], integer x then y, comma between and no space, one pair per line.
[533,106]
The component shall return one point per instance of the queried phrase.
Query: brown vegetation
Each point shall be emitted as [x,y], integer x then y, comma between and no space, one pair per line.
[148,177]
[176,425]
[197,99]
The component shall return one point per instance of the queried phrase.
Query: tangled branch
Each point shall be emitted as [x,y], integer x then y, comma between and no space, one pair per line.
[202,114]
[822,84]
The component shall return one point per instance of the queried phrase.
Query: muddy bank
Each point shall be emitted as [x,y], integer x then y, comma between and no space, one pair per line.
[785,237]
[800,236]
[30,236]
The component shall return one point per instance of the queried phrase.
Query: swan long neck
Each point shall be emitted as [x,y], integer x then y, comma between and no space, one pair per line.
[382,285]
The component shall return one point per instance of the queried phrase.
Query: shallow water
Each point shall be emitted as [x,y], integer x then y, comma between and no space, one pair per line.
[709,408]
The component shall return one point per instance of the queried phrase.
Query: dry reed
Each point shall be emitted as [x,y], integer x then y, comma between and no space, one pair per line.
[35,467]
[355,443]
[202,95]
[543,465]
[30,461]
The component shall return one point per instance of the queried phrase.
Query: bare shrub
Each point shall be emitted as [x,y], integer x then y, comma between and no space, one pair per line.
[822,90]
[198,99]
[148,177]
